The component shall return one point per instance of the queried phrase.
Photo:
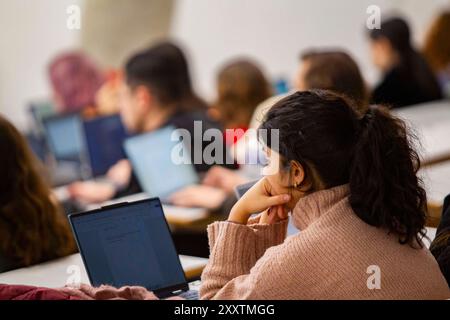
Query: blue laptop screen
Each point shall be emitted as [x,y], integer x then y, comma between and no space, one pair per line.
[65,136]
[151,156]
[129,245]
[104,139]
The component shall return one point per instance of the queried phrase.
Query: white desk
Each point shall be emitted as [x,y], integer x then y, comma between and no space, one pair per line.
[56,273]
[173,214]
[437,181]
[431,122]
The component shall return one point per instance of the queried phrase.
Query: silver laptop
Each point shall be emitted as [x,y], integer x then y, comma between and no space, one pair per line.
[152,157]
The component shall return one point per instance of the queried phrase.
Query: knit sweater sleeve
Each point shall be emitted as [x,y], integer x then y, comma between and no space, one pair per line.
[235,249]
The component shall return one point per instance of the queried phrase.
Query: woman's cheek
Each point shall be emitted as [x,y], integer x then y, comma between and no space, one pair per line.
[276,184]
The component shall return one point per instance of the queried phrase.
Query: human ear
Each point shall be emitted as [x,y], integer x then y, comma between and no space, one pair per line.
[144,98]
[297,172]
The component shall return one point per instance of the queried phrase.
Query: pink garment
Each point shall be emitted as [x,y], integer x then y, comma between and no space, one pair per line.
[330,258]
[105,292]
[83,292]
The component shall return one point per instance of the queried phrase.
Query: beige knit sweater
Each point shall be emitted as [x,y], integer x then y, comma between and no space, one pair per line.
[328,259]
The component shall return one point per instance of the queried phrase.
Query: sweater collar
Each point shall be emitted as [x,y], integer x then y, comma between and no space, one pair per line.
[312,206]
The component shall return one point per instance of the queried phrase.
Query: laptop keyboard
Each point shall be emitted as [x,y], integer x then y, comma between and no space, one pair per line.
[190,295]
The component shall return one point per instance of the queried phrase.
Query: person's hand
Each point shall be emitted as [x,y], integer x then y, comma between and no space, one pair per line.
[225,179]
[199,196]
[91,191]
[259,198]
[120,173]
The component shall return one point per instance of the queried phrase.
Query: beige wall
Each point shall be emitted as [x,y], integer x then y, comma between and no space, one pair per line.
[113,29]
[31,33]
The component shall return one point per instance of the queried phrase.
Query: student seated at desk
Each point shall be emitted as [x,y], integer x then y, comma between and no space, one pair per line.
[241,87]
[157,92]
[407,77]
[350,185]
[33,227]
[333,70]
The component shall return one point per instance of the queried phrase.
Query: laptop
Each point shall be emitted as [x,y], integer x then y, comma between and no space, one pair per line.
[64,135]
[40,110]
[104,142]
[64,138]
[130,244]
[87,147]
[157,172]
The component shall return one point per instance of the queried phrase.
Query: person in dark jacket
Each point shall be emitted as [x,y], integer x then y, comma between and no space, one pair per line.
[157,92]
[407,78]
[440,247]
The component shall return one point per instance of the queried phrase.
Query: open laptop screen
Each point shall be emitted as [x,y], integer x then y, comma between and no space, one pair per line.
[104,139]
[129,244]
[151,156]
[65,137]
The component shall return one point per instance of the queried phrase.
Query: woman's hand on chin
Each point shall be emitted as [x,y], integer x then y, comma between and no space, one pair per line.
[259,199]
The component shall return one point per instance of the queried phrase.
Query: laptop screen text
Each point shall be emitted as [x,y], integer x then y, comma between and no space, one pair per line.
[129,245]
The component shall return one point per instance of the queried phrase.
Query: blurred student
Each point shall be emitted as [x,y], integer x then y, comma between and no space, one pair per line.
[331,70]
[437,50]
[107,98]
[350,185]
[241,87]
[33,227]
[156,92]
[75,80]
[440,247]
[407,78]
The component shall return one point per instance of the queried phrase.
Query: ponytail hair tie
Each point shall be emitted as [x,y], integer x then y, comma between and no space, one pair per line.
[367,118]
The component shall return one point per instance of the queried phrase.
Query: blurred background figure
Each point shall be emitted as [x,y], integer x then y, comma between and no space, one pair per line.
[437,50]
[75,81]
[333,70]
[156,92]
[241,87]
[33,226]
[319,69]
[407,78]
[107,97]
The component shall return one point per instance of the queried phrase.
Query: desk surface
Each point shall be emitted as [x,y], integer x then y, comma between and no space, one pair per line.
[178,216]
[174,215]
[57,273]
[437,181]
[431,122]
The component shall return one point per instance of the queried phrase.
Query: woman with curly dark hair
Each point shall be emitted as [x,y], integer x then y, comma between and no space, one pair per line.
[351,187]
[33,227]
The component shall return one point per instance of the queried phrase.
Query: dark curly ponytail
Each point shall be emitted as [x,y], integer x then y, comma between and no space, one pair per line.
[322,131]
[385,189]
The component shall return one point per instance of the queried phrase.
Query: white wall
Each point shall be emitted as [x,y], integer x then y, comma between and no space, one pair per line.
[272,31]
[31,33]
[275,31]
